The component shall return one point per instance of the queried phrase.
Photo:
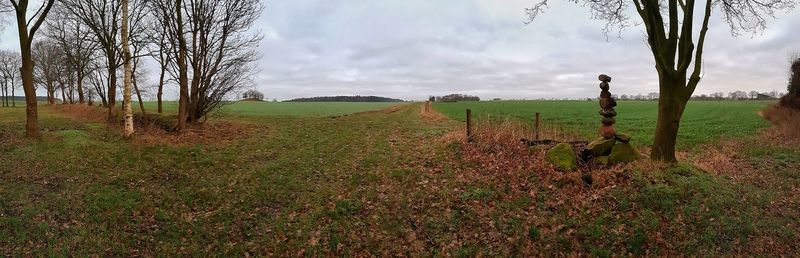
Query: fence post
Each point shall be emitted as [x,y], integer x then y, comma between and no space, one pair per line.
[469,125]
[536,123]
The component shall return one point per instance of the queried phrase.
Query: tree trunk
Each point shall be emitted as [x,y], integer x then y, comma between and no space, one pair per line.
[183,78]
[126,56]
[51,93]
[63,93]
[138,93]
[13,95]
[112,88]
[26,72]
[80,77]
[671,104]
[4,100]
[161,87]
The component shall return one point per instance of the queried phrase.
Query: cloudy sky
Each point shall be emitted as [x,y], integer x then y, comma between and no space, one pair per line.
[411,49]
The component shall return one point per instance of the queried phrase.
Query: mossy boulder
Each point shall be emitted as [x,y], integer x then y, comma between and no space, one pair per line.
[623,153]
[602,160]
[624,138]
[601,146]
[562,157]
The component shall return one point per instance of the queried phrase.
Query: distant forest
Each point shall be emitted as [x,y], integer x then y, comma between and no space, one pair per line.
[346,99]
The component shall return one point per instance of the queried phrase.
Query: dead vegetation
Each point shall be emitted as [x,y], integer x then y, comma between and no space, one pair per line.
[427,113]
[785,119]
[155,129]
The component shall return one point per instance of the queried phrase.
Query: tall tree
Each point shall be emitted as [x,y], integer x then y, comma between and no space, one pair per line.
[101,17]
[77,43]
[9,73]
[9,70]
[670,26]
[126,56]
[50,67]
[162,43]
[27,28]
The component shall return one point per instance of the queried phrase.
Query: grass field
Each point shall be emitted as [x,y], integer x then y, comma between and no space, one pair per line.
[703,121]
[388,183]
[297,109]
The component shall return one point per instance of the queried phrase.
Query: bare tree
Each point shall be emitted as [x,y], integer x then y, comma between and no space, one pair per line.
[162,43]
[753,94]
[100,17]
[219,54]
[99,81]
[9,71]
[678,59]
[27,28]
[50,67]
[103,19]
[78,45]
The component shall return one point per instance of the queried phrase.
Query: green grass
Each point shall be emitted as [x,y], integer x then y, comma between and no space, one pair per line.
[293,109]
[372,184]
[703,121]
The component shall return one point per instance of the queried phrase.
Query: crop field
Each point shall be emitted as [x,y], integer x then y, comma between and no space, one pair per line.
[396,182]
[296,109]
[703,121]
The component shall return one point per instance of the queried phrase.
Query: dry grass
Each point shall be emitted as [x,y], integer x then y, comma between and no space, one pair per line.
[786,119]
[155,130]
[83,112]
[428,113]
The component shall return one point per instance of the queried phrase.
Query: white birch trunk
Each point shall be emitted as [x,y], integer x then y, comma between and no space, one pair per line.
[126,55]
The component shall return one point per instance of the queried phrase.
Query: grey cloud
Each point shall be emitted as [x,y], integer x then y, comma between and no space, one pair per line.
[414,48]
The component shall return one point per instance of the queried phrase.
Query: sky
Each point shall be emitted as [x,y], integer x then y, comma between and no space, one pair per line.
[413,49]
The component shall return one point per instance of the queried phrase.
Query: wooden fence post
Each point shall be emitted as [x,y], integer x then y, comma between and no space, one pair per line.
[469,125]
[536,123]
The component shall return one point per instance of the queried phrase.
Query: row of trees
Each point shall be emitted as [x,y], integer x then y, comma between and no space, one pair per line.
[736,95]
[201,46]
[9,77]
[454,98]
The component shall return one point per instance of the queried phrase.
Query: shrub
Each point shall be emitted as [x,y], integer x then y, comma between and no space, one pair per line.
[794,78]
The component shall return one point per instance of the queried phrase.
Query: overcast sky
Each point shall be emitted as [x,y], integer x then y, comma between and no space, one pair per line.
[411,49]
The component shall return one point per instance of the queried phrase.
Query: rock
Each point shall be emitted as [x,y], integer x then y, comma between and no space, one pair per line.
[604,86]
[562,157]
[608,113]
[607,131]
[623,138]
[608,103]
[623,153]
[602,160]
[601,147]
[608,121]
[604,78]
[605,94]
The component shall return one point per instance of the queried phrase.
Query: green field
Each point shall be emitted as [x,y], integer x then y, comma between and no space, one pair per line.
[390,183]
[703,121]
[296,109]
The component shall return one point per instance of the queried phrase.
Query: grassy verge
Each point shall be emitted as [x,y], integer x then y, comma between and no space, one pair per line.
[375,184]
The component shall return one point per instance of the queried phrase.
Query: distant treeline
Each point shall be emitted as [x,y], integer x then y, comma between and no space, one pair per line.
[22,99]
[454,98]
[346,99]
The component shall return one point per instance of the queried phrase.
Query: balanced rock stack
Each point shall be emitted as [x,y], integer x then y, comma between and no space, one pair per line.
[605,150]
[607,104]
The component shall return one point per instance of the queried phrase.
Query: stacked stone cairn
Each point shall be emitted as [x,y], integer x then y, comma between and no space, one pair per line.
[605,150]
